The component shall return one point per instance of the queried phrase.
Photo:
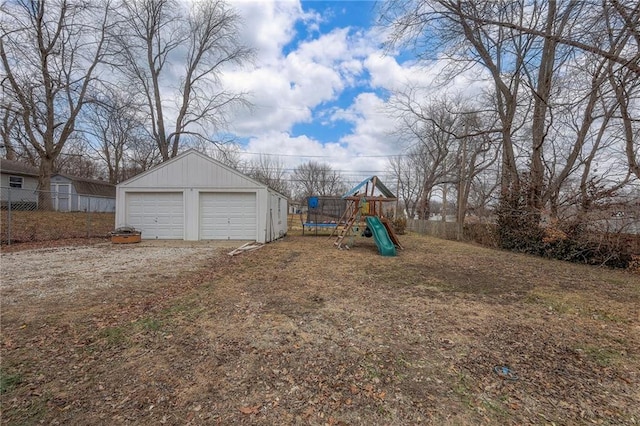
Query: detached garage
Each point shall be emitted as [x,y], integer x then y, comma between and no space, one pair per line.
[194,197]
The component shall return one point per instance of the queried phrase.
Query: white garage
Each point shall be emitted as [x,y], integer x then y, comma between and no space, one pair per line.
[227,215]
[160,214]
[193,197]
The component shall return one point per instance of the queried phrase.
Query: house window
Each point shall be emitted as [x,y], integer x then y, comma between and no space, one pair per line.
[15,181]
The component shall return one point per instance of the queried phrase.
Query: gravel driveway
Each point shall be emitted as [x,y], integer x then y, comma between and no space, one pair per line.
[62,271]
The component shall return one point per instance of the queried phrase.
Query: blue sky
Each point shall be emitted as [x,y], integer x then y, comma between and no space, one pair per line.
[320,85]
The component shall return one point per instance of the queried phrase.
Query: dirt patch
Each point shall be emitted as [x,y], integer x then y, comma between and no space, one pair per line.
[299,332]
[49,273]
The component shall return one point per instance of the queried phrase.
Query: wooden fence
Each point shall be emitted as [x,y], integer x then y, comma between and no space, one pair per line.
[482,233]
[435,228]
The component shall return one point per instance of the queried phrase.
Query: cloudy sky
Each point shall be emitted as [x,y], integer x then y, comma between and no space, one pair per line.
[319,85]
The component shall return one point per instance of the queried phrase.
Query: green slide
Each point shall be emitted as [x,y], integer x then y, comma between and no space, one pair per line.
[380,235]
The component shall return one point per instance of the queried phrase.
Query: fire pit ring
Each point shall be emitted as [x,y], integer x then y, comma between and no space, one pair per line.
[125,235]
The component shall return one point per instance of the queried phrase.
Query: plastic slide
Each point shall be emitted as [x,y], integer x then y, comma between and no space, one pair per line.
[381,237]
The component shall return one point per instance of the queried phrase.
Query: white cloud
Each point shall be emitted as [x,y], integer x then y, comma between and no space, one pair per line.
[429,79]
[291,88]
[293,151]
[269,25]
[284,91]
[371,143]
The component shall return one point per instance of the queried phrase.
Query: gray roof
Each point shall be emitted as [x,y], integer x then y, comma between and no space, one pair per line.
[83,186]
[95,187]
[17,168]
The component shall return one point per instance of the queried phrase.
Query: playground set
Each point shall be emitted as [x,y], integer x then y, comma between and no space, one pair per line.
[360,210]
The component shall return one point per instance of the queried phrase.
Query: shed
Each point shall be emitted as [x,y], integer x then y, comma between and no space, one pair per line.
[194,197]
[70,193]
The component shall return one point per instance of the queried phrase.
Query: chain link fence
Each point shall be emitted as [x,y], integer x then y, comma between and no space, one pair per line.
[29,215]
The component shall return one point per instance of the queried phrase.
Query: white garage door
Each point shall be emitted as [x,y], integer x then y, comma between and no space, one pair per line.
[228,216]
[159,215]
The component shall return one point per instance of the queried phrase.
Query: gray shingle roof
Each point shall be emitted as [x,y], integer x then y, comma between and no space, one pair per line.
[17,168]
[93,187]
[83,186]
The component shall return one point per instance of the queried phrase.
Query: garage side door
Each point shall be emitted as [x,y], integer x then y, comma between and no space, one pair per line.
[227,216]
[158,215]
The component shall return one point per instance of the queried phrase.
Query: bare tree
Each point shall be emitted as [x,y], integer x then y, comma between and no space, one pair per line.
[76,160]
[476,153]
[8,130]
[451,144]
[626,87]
[429,129]
[169,50]
[527,48]
[271,172]
[313,178]
[13,137]
[228,153]
[555,21]
[442,25]
[142,155]
[113,127]
[625,15]
[484,194]
[409,174]
[50,51]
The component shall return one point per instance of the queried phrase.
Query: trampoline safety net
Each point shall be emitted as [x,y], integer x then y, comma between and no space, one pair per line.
[325,209]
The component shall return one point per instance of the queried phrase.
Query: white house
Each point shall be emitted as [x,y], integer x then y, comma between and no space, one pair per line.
[194,197]
[19,188]
[18,185]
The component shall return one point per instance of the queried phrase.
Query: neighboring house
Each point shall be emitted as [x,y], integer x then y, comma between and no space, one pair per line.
[296,207]
[194,197]
[68,193]
[19,184]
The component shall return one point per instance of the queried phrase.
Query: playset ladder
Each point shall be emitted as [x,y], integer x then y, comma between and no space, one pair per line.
[355,216]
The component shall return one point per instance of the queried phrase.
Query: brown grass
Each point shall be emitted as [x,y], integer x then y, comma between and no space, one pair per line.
[30,226]
[300,332]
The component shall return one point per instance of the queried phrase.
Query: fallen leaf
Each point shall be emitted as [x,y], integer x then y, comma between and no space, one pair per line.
[250,410]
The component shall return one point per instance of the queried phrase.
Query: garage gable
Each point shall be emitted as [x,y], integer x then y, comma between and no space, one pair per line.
[192,169]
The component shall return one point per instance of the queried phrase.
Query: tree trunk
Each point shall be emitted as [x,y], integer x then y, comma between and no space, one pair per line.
[541,105]
[424,208]
[45,200]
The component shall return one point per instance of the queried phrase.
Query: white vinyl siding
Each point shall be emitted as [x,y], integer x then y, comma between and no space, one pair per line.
[216,202]
[228,216]
[158,215]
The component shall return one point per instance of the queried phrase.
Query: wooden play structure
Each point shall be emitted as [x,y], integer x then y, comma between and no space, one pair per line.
[364,213]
